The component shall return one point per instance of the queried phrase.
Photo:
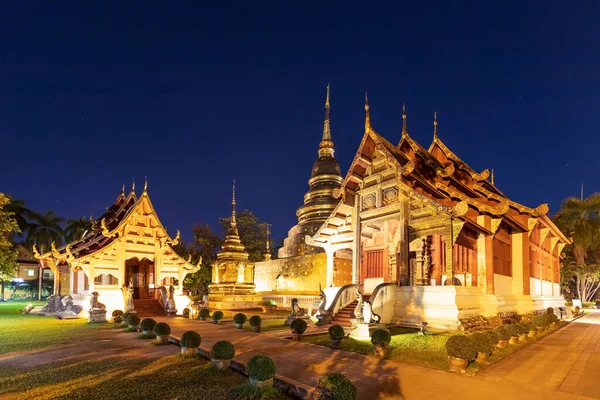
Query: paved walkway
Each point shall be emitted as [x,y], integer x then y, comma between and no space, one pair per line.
[561,366]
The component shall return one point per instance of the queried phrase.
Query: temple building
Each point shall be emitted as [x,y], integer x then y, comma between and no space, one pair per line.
[232,284]
[432,240]
[129,246]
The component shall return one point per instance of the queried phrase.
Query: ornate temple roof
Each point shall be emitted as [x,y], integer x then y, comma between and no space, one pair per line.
[232,248]
[436,174]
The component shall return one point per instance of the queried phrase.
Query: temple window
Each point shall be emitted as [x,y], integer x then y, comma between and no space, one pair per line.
[502,251]
[104,279]
[374,263]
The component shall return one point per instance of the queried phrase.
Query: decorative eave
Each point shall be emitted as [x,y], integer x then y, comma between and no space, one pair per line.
[481,176]
[540,210]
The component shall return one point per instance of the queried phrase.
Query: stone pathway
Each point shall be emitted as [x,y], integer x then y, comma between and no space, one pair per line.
[561,366]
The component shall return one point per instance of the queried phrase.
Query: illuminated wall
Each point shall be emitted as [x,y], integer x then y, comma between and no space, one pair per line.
[301,274]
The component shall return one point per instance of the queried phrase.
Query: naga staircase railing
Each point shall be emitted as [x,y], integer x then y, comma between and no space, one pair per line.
[162,297]
[344,296]
[382,301]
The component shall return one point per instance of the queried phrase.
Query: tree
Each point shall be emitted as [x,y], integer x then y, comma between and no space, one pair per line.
[206,244]
[580,219]
[21,214]
[8,254]
[253,233]
[45,229]
[75,228]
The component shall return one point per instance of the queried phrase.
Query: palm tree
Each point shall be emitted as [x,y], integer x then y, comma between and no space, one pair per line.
[75,228]
[580,219]
[45,229]
[22,214]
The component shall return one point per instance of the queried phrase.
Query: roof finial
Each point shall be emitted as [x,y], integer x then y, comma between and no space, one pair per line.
[123,189]
[326,145]
[145,184]
[404,129]
[492,179]
[233,222]
[267,254]
[367,113]
[133,185]
[435,123]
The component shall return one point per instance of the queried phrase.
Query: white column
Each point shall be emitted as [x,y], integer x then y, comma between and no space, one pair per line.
[356,240]
[329,251]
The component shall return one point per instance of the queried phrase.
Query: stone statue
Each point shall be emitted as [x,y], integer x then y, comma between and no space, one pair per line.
[130,290]
[322,308]
[323,315]
[358,313]
[368,315]
[171,301]
[205,300]
[95,304]
[297,311]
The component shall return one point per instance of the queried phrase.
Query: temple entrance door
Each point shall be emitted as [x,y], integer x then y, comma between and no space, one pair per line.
[141,273]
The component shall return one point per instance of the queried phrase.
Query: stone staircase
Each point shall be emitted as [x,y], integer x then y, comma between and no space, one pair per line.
[148,308]
[343,316]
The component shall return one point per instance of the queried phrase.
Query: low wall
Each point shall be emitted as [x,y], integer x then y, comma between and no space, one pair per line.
[296,274]
[285,300]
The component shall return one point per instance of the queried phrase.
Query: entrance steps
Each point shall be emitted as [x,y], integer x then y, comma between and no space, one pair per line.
[148,308]
[343,316]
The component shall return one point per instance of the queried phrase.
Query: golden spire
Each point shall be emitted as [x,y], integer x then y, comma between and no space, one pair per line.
[267,254]
[123,190]
[145,185]
[133,185]
[492,179]
[404,129]
[233,222]
[435,123]
[326,145]
[367,114]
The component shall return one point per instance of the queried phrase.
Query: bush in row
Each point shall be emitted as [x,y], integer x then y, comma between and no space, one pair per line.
[124,318]
[133,320]
[190,339]
[461,346]
[239,320]
[186,313]
[147,325]
[255,320]
[203,313]
[483,343]
[217,315]
[503,332]
[117,316]
[335,386]
[298,326]
[222,350]
[260,368]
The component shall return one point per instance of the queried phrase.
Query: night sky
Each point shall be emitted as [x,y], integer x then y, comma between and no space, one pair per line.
[194,95]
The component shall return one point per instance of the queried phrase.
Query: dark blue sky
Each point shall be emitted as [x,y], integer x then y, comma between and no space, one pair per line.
[196,94]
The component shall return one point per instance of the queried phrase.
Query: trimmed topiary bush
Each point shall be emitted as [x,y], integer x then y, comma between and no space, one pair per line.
[549,311]
[190,339]
[513,329]
[260,368]
[133,320]
[162,329]
[381,337]
[503,333]
[147,324]
[540,321]
[124,318]
[336,387]
[461,346]
[217,315]
[482,343]
[492,337]
[240,319]
[298,326]
[186,312]
[336,332]
[203,313]
[117,316]
[222,350]
[255,320]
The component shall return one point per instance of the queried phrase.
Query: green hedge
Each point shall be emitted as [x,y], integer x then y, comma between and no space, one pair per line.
[461,346]
[255,320]
[217,315]
[492,337]
[336,332]
[381,337]
[162,329]
[261,368]
[222,350]
[190,339]
[503,332]
[240,318]
[336,386]
[147,324]
[482,343]
[298,326]
[133,320]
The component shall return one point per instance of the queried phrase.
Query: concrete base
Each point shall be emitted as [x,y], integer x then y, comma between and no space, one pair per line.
[364,331]
[234,301]
[97,316]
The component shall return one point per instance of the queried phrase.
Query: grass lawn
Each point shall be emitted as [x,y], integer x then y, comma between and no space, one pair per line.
[228,314]
[30,332]
[173,377]
[408,346]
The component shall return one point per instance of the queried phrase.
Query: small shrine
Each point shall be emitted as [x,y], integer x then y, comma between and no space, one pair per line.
[232,286]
